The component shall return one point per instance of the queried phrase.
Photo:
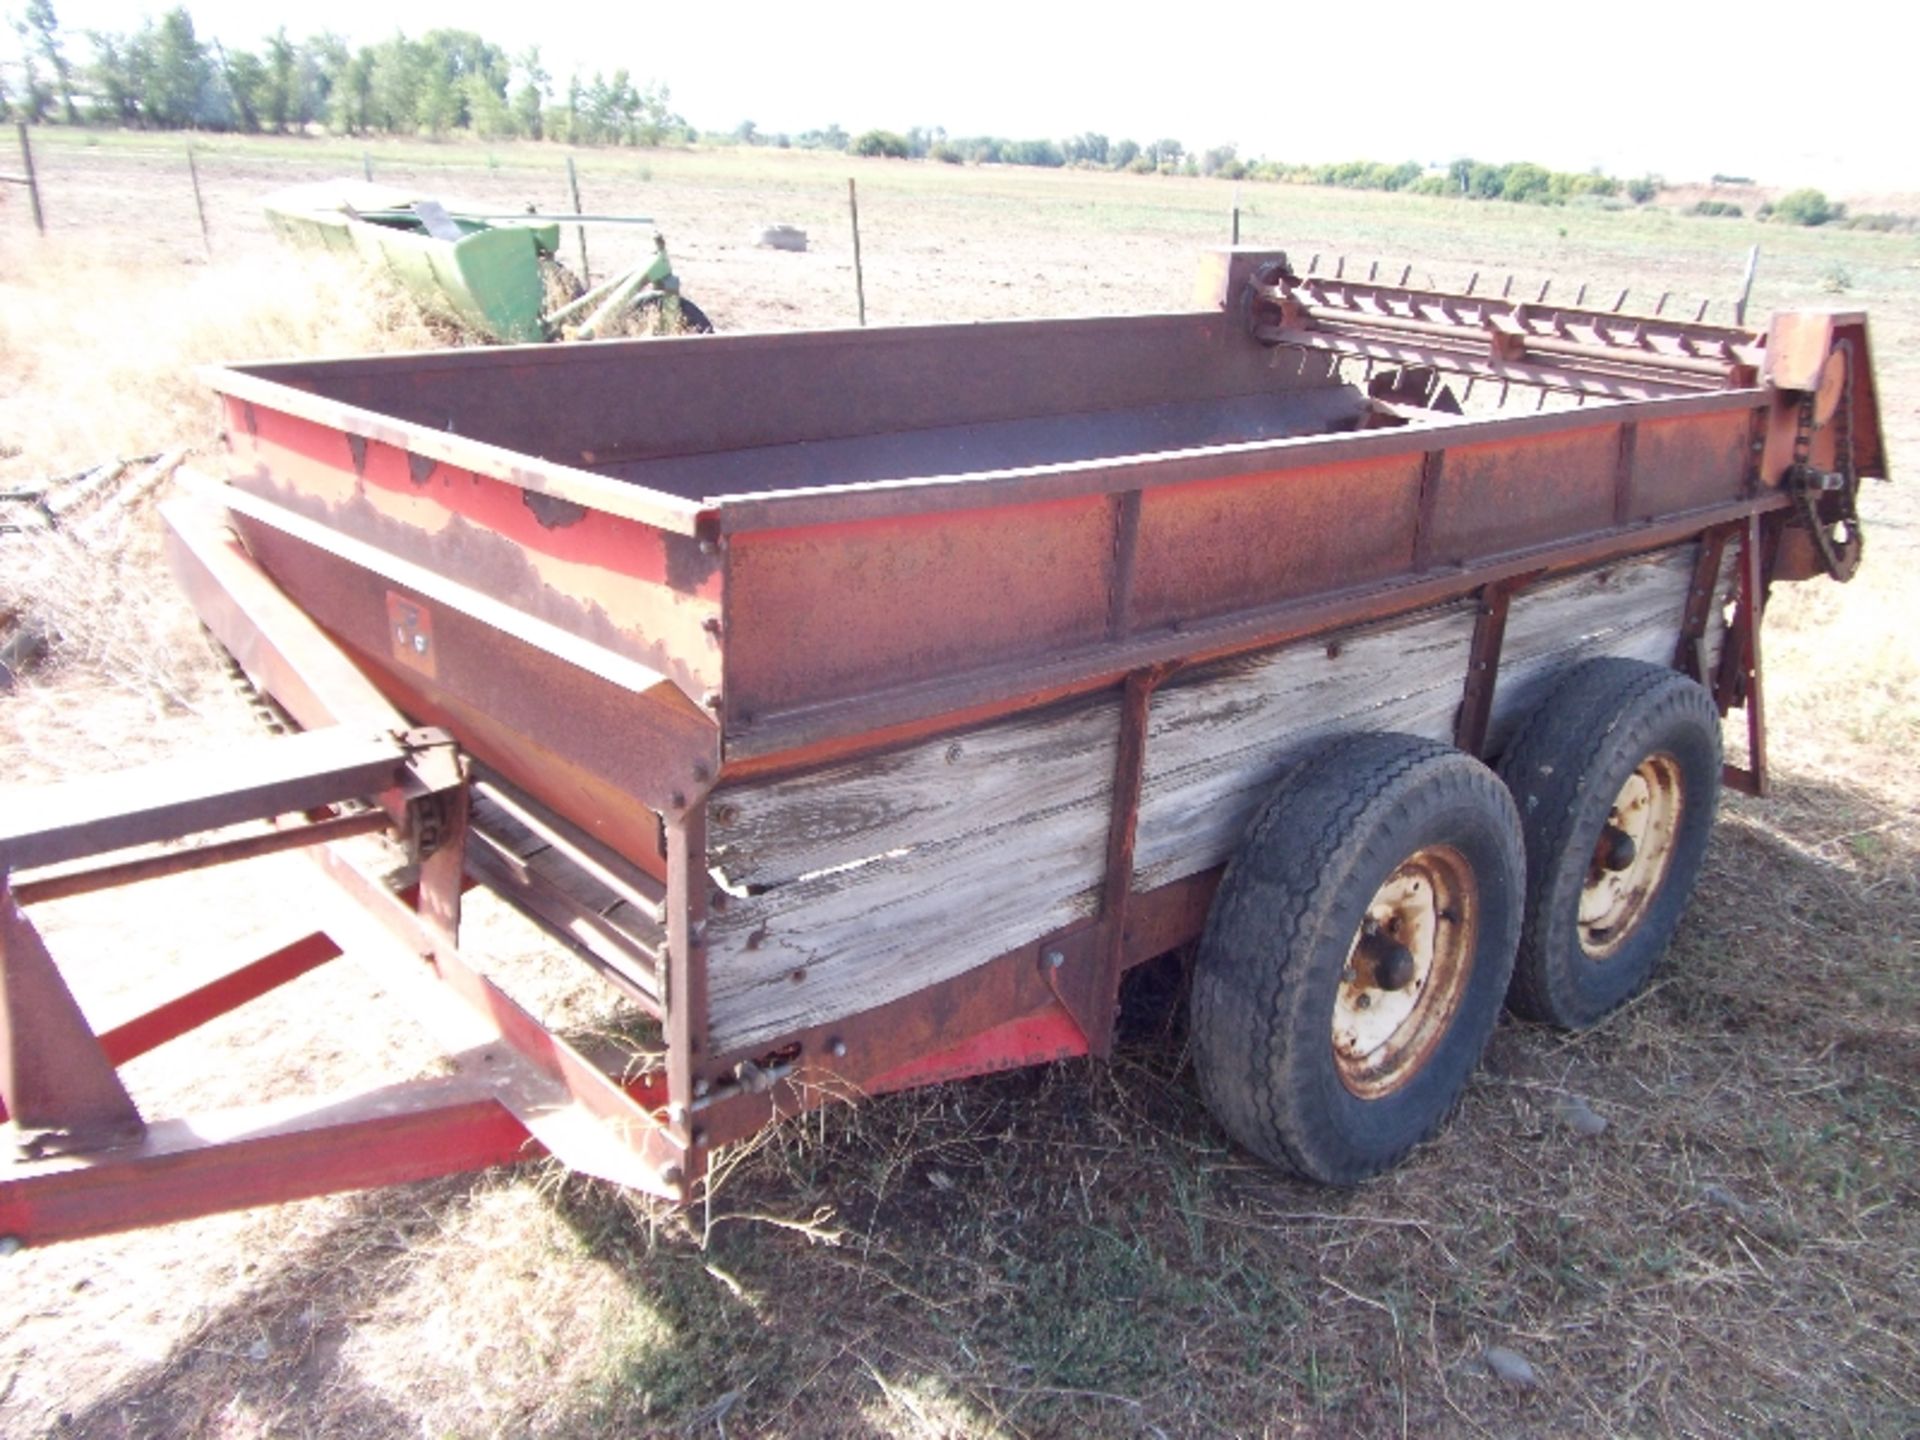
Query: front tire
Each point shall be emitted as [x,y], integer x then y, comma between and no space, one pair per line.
[1617,776]
[1356,955]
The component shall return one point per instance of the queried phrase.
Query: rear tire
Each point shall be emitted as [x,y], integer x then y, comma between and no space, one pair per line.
[1619,749]
[1307,1050]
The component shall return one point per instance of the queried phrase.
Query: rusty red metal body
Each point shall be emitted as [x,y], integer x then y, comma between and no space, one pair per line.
[556,624]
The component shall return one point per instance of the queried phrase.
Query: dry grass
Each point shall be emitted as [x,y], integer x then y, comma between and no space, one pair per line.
[1071,1250]
[98,350]
[98,359]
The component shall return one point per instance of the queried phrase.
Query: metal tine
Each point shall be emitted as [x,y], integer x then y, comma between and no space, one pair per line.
[1507,289]
[1580,299]
[1701,313]
[1504,388]
[1665,295]
[1540,403]
[1467,394]
[1340,269]
[1621,303]
[1406,275]
[1472,280]
[1373,270]
[1545,285]
[1314,263]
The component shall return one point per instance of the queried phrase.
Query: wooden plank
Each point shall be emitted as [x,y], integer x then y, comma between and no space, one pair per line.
[892,873]
[769,833]
[1217,743]
[1632,609]
[1728,591]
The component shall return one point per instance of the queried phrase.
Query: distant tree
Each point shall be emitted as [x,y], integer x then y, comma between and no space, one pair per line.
[1643,189]
[883,143]
[1033,152]
[1089,147]
[280,76]
[180,72]
[44,26]
[1803,207]
[116,97]
[350,97]
[831,138]
[454,67]
[246,81]
[488,115]
[439,101]
[1485,182]
[393,87]
[1167,153]
[530,100]
[1122,154]
[317,61]
[1523,182]
[746,133]
[1218,158]
[36,96]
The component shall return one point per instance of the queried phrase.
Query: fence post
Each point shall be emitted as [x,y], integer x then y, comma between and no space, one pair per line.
[573,184]
[198,204]
[33,183]
[859,279]
[1746,287]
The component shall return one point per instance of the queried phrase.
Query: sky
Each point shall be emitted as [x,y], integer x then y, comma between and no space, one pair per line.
[1795,94]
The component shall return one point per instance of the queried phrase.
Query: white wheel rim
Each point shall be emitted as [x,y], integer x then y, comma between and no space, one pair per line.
[1383,1035]
[1615,896]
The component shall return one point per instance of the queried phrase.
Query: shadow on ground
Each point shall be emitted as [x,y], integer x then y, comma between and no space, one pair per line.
[1075,1250]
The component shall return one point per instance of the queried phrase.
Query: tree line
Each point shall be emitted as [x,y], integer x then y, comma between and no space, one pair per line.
[447,81]
[164,76]
[1520,181]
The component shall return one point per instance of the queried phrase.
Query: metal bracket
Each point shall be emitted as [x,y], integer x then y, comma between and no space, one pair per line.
[60,1088]
[1076,971]
[1739,682]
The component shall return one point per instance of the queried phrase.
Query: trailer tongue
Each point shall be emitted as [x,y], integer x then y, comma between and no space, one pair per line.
[866,703]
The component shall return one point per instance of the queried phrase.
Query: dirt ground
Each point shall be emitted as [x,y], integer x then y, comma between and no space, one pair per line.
[1071,1250]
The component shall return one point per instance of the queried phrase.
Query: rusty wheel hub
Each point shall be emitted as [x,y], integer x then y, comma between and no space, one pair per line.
[1631,857]
[1406,971]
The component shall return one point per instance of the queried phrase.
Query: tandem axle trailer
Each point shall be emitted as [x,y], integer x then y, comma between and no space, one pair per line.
[864,704]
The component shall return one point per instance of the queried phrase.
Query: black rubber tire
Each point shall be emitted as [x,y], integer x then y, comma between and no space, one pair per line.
[1281,928]
[1565,767]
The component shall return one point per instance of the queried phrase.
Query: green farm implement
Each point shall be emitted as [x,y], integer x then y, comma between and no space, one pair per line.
[496,275]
